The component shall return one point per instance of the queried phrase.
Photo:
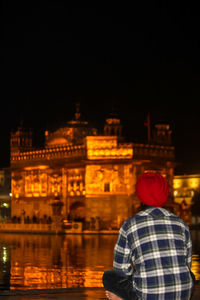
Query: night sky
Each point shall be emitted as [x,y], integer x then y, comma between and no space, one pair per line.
[131,58]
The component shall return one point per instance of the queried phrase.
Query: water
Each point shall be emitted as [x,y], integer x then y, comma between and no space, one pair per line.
[61,261]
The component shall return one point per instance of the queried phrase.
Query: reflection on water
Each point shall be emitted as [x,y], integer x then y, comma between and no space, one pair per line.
[54,261]
[196,253]
[57,261]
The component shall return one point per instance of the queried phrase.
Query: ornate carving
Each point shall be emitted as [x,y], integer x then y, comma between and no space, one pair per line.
[35,183]
[55,183]
[17,185]
[99,176]
[76,182]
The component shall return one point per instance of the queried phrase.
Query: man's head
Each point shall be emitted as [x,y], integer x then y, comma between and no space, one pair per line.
[152,189]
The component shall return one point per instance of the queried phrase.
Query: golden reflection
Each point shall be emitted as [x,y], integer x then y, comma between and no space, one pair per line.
[196,266]
[49,262]
[69,261]
[95,276]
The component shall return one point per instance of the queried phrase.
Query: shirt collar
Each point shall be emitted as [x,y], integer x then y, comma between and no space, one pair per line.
[155,211]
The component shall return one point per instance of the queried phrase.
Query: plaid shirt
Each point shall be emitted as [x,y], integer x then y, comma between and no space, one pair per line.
[154,246]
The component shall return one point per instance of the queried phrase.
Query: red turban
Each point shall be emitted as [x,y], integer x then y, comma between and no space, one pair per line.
[152,189]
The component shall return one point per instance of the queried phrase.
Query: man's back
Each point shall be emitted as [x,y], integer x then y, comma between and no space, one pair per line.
[158,244]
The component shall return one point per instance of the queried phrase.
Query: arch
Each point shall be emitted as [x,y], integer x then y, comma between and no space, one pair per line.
[77,211]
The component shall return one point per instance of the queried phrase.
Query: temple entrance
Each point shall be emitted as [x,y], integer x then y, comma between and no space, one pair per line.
[77,212]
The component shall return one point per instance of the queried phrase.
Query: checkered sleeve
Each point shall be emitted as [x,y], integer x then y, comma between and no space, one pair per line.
[122,253]
[189,247]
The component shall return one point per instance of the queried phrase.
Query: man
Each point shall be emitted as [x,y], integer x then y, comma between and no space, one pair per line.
[153,253]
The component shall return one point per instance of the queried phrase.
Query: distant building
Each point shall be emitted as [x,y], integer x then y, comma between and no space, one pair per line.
[185,187]
[85,176]
[5,193]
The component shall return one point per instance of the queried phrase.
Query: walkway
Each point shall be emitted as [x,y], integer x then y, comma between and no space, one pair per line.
[67,294]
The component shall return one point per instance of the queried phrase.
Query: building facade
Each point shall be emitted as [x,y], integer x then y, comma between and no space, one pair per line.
[185,187]
[84,176]
[187,196]
[5,193]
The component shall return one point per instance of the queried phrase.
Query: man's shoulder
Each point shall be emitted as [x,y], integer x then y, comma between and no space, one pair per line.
[135,219]
[154,213]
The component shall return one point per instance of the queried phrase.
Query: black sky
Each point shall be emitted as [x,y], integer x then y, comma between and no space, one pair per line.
[138,58]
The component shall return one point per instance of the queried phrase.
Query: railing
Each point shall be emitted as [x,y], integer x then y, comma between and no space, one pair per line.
[20,227]
[72,227]
[77,151]
[50,153]
[145,150]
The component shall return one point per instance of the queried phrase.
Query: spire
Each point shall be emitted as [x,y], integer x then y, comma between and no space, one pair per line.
[147,123]
[77,114]
[77,121]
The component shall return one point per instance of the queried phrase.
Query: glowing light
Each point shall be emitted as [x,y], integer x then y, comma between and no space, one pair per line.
[177,183]
[193,182]
[58,141]
[40,167]
[175,193]
[196,266]
[4,255]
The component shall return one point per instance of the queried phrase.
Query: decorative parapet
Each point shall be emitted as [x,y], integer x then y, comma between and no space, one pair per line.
[107,147]
[155,151]
[57,152]
[96,147]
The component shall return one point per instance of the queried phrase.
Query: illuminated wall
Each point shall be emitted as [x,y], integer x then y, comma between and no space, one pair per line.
[107,147]
[184,187]
[109,179]
[109,188]
[33,189]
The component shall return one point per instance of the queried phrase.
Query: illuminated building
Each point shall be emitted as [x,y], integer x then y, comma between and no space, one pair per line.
[5,193]
[93,176]
[185,186]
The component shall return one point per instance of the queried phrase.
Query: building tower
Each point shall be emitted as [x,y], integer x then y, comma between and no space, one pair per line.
[162,134]
[20,140]
[113,126]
